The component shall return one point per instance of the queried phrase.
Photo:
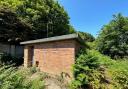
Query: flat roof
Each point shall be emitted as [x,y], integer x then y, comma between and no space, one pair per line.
[50,39]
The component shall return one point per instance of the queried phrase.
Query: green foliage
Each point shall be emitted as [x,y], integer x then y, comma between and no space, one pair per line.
[113,39]
[12,29]
[11,3]
[7,59]
[96,71]
[33,70]
[121,78]
[11,78]
[86,71]
[119,73]
[31,19]
[86,37]
[44,16]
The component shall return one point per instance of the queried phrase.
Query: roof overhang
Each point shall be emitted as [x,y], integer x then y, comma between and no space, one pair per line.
[56,38]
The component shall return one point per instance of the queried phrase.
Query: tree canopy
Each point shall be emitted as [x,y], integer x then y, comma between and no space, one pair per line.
[46,17]
[86,36]
[12,29]
[113,38]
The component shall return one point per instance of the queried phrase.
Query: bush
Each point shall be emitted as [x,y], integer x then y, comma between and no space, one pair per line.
[13,78]
[96,71]
[86,71]
[7,59]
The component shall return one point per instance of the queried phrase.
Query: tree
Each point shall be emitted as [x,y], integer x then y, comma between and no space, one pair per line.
[86,36]
[11,28]
[46,17]
[113,38]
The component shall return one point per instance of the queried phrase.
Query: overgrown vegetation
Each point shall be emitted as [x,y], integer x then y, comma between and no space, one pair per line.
[13,78]
[28,78]
[32,19]
[96,71]
[113,38]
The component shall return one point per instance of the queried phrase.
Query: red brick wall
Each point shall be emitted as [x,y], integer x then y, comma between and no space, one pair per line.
[54,57]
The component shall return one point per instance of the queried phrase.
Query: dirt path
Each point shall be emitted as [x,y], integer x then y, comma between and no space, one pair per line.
[53,84]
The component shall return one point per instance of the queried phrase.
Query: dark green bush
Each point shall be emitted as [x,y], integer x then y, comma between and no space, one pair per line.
[86,71]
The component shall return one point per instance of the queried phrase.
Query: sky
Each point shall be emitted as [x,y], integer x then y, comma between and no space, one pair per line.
[90,15]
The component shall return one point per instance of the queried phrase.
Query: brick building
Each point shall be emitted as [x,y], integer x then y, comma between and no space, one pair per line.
[54,55]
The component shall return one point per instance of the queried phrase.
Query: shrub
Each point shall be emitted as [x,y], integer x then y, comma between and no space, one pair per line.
[13,78]
[93,70]
[86,71]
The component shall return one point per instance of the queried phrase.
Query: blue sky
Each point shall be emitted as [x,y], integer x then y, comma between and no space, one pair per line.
[90,15]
